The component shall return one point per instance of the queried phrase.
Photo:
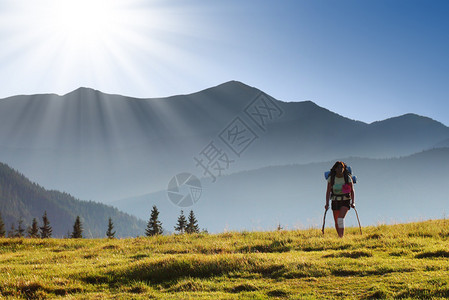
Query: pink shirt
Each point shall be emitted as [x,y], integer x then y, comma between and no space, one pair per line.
[340,187]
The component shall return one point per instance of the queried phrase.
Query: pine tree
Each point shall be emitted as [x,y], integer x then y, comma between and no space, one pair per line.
[46,229]
[182,223]
[33,231]
[77,229]
[20,230]
[12,231]
[2,227]
[192,225]
[110,234]
[154,226]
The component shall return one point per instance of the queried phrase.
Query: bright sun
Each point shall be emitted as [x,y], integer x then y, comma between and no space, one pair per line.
[82,18]
[84,22]
[72,43]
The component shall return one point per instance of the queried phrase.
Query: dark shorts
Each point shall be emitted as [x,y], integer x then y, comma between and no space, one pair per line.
[336,205]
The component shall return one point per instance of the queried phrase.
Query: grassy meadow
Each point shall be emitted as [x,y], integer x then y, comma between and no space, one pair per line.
[407,261]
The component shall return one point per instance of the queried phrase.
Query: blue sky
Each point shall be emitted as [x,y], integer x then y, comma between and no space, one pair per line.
[367,60]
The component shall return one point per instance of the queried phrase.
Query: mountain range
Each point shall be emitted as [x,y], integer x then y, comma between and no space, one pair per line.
[112,148]
[104,147]
[395,190]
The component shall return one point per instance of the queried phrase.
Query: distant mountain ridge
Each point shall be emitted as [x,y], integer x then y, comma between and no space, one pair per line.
[394,190]
[108,147]
[23,199]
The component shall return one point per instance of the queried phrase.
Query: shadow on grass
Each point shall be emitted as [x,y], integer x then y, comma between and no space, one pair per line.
[376,271]
[245,287]
[278,293]
[276,246]
[35,290]
[350,254]
[433,254]
[172,269]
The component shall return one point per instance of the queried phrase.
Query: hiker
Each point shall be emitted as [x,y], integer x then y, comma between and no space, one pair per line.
[340,188]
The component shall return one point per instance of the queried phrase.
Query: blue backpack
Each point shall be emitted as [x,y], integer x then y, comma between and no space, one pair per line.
[354,178]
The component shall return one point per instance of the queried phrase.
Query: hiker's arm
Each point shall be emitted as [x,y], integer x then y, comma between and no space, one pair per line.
[352,195]
[328,193]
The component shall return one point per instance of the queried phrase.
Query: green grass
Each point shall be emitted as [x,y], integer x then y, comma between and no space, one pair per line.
[408,261]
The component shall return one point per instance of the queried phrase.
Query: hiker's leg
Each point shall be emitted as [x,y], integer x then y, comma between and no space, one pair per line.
[340,220]
[336,214]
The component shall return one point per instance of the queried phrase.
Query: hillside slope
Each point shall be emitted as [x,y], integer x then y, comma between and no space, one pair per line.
[21,198]
[405,261]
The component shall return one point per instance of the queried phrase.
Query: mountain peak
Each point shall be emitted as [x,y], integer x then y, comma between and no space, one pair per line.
[235,83]
[408,120]
[83,90]
[228,86]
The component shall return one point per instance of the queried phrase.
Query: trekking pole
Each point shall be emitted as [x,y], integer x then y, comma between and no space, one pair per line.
[358,220]
[324,220]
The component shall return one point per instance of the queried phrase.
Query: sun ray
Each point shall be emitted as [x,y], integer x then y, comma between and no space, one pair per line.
[96,43]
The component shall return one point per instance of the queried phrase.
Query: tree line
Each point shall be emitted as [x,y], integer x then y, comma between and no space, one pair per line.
[183,225]
[154,227]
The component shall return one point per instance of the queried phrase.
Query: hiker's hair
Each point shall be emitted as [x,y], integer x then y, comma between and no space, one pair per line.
[334,172]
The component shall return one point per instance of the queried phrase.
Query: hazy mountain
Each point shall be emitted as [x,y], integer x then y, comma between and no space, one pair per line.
[441,144]
[107,147]
[21,198]
[388,190]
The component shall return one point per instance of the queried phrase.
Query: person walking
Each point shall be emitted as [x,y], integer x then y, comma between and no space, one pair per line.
[340,189]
